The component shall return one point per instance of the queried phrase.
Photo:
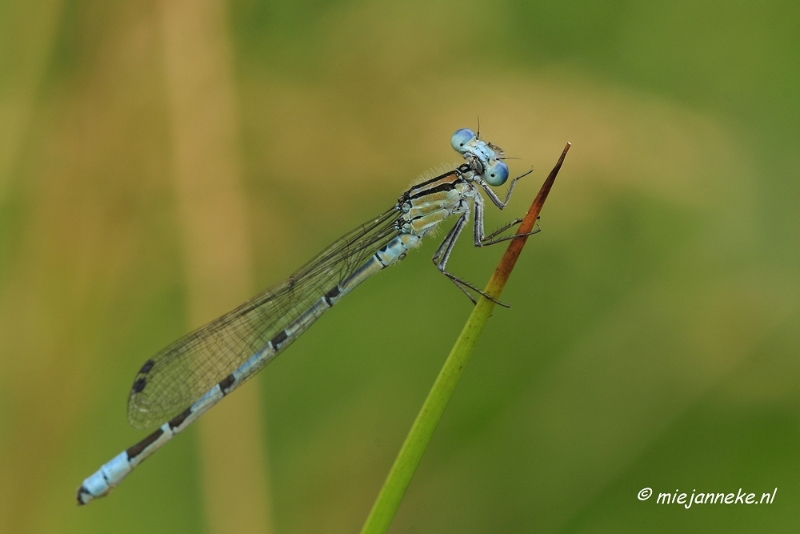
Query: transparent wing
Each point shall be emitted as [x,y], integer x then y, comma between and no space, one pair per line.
[181,373]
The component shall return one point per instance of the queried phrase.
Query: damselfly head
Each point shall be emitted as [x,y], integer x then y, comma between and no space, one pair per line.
[482,156]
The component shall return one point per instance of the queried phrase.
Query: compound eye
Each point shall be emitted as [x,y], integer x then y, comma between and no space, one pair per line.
[461,139]
[496,174]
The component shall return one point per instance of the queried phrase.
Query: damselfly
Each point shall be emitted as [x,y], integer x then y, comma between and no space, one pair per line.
[190,376]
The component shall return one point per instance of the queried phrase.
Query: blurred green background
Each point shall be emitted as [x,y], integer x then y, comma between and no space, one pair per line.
[654,332]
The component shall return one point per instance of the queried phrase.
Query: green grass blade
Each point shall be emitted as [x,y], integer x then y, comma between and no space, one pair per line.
[421,431]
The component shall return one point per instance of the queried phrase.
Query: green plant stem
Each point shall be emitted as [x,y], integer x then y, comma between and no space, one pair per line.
[421,431]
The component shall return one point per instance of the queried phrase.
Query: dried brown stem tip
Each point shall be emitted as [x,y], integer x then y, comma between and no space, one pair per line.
[506,265]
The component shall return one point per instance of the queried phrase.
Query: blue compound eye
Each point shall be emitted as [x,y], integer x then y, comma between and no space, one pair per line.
[461,138]
[496,174]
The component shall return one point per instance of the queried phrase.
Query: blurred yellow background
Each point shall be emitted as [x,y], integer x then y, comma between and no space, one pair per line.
[161,161]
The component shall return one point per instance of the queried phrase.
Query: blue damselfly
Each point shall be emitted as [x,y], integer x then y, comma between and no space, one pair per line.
[190,376]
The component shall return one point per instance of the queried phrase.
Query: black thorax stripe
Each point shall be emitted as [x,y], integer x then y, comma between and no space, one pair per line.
[437,178]
[444,182]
